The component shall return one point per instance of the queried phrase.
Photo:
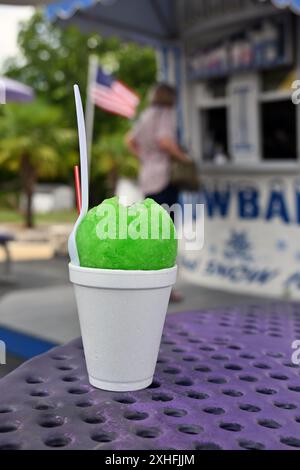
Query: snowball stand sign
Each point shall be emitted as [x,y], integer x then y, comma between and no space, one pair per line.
[252,235]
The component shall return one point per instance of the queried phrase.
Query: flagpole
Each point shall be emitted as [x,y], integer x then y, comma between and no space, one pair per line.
[90,107]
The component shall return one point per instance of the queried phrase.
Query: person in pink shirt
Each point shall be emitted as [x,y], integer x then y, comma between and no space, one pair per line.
[153,140]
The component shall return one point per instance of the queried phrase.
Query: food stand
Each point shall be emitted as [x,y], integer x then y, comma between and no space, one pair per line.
[239,64]
[234,63]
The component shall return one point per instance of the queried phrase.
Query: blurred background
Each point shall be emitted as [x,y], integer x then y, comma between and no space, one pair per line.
[234,64]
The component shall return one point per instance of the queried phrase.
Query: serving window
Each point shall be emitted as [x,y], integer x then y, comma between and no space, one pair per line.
[249,119]
[278,125]
[213,121]
[215,144]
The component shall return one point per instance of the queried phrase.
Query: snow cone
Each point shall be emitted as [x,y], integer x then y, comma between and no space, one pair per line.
[122,287]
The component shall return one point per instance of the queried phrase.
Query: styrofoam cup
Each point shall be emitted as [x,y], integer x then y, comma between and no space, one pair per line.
[121,314]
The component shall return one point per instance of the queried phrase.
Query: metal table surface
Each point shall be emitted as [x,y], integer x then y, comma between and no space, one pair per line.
[224,380]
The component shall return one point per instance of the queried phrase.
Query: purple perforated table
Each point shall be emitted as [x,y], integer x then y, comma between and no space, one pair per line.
[224,380]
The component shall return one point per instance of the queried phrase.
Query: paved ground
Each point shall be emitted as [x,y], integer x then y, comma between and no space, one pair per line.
[38,300]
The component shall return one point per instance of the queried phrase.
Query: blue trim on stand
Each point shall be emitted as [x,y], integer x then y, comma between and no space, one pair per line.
[165,63]
[23,345]
[178,79]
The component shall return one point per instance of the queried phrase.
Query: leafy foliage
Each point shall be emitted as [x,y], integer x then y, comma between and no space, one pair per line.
[54,59]
[43,134]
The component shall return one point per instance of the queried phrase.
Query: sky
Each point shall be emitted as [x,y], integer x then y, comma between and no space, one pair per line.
[9,19]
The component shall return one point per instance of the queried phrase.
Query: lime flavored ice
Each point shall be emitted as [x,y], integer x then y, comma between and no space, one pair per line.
[112,236]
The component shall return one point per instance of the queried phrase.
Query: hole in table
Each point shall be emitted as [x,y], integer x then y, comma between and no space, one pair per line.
[70,378]
[269,423]
[168,342]
[247,356]
[90,418]
[10,446]
[249,408]
[135,415]
[234,347]
[125,400]
[214,411]
[178,350]
[65,368]
[294,388]
[60,357]
[232,393]
[51,421]
[190,358]
[285,406]
[278,377]
[34,380]
[250,445]
[275,355]
[184,382]
[248,378]
[233,427]
[207,446]
[6,409]
[155,384]
[42,406]
[189,429]
[219,357]
[162,397]
[172,371]
[148,433]
[261,365]
[206,348]
[194,341]
[290,441]
[297,419]
[202,369]
[266,391]
[290,364]
[175,412]
[101,436]
[85,404]
[234,367]
[197,395]
[78,390]
[274,329]
[9,427]
[39,393]
[217,380]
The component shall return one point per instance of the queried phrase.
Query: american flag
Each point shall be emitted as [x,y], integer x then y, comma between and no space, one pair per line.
[113,96]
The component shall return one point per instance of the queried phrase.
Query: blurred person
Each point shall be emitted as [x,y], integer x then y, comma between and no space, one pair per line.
[153,140]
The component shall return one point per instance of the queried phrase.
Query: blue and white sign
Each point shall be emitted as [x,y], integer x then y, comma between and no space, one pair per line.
[251,236]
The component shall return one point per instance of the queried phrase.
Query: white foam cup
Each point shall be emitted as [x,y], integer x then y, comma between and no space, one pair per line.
[121,314]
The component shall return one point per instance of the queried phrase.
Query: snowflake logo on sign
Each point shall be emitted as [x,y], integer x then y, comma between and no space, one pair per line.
[238,247]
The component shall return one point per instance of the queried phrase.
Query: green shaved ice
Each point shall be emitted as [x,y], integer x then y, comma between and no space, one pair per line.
[142,237]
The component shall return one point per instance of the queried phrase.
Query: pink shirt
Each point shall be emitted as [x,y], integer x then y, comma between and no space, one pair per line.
[154,124]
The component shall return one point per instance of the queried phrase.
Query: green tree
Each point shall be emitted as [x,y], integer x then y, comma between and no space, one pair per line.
[34,144]
[55,58]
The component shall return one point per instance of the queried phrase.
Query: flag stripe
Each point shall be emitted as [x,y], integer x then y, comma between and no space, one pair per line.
[109,104]
[121,90]
[108,93]
[113,96]
[99,94]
